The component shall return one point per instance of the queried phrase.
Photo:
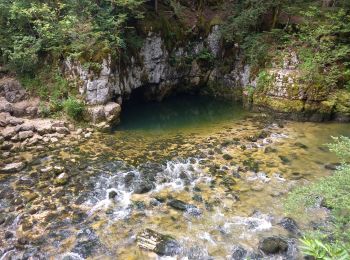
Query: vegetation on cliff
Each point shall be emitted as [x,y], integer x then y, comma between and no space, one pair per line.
[318,31]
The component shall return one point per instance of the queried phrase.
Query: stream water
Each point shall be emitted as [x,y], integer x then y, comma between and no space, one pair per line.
[203,171]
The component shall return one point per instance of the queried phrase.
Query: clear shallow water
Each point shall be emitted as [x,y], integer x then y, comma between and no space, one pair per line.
[121,183]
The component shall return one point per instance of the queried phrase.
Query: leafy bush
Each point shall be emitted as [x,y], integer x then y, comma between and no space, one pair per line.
[23,56]
[323,251]
[205,56]
[86,29]
[74,108]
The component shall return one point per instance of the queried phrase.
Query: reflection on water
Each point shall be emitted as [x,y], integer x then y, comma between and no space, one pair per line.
[203,171]
[179,112]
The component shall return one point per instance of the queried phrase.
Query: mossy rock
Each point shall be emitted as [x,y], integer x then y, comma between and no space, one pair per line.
[278,104]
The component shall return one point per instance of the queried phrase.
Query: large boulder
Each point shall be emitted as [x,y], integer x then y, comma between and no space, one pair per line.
[103,113]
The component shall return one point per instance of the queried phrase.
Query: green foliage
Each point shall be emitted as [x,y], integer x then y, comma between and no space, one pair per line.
[48,84]
[23,56]
[323,251]
[85,29]
[333,192]
[74,108]
[341,147]
[264,79]
[321,39]
[205,56]
[323,46]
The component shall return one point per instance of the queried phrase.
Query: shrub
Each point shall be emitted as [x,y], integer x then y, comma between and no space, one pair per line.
[74,108]
[23,57]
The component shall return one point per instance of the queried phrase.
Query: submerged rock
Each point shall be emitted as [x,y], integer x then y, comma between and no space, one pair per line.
[332,166]
[227,157]
[62,179]
[273,245]
[158,243]
[178,204]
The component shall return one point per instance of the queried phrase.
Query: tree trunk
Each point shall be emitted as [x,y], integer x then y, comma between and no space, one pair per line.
[156,6]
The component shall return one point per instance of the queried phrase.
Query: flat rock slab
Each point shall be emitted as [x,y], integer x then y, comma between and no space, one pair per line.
[12,167]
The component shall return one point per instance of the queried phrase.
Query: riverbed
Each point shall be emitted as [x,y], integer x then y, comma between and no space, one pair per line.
[206,172]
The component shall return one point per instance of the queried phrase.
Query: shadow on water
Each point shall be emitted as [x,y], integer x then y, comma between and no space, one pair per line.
[182,111]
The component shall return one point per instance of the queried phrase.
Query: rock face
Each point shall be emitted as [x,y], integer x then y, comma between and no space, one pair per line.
[156,69]
[281,89]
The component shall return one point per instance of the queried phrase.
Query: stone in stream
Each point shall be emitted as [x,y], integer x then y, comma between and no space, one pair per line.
[227,157]
[273,245]
[284,159]
[62,179]
[301,145]
[143,186]
[239,253]
[158,243]
[332,166]
[179,204]
[290,225]
[12,167]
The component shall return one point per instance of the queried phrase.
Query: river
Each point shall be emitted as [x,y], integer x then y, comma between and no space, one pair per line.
[203,171]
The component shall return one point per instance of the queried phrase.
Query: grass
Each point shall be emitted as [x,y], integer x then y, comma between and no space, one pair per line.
[334,194]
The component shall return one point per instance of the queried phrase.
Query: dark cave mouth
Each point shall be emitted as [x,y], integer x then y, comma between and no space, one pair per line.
[145,109]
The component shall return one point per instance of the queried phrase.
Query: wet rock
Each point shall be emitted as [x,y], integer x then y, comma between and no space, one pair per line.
[129,177]
[179,204]
[269,149]
[273,245]
[290,225]
[227,157]
[161,199]
[2,219]
[154,202]
[296,176]
[8,235]
[12,167]
[143,186]
[62,179]
[158,243]
[86,248]
[252,138]
[22,241]
[239,253]
[197,197]
[112,194]
[284,159]
[301,145]
[332,166]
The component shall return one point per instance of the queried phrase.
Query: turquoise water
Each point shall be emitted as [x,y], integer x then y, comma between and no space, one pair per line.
[178,112]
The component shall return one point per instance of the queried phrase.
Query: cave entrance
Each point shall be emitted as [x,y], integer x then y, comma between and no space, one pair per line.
[142,110]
